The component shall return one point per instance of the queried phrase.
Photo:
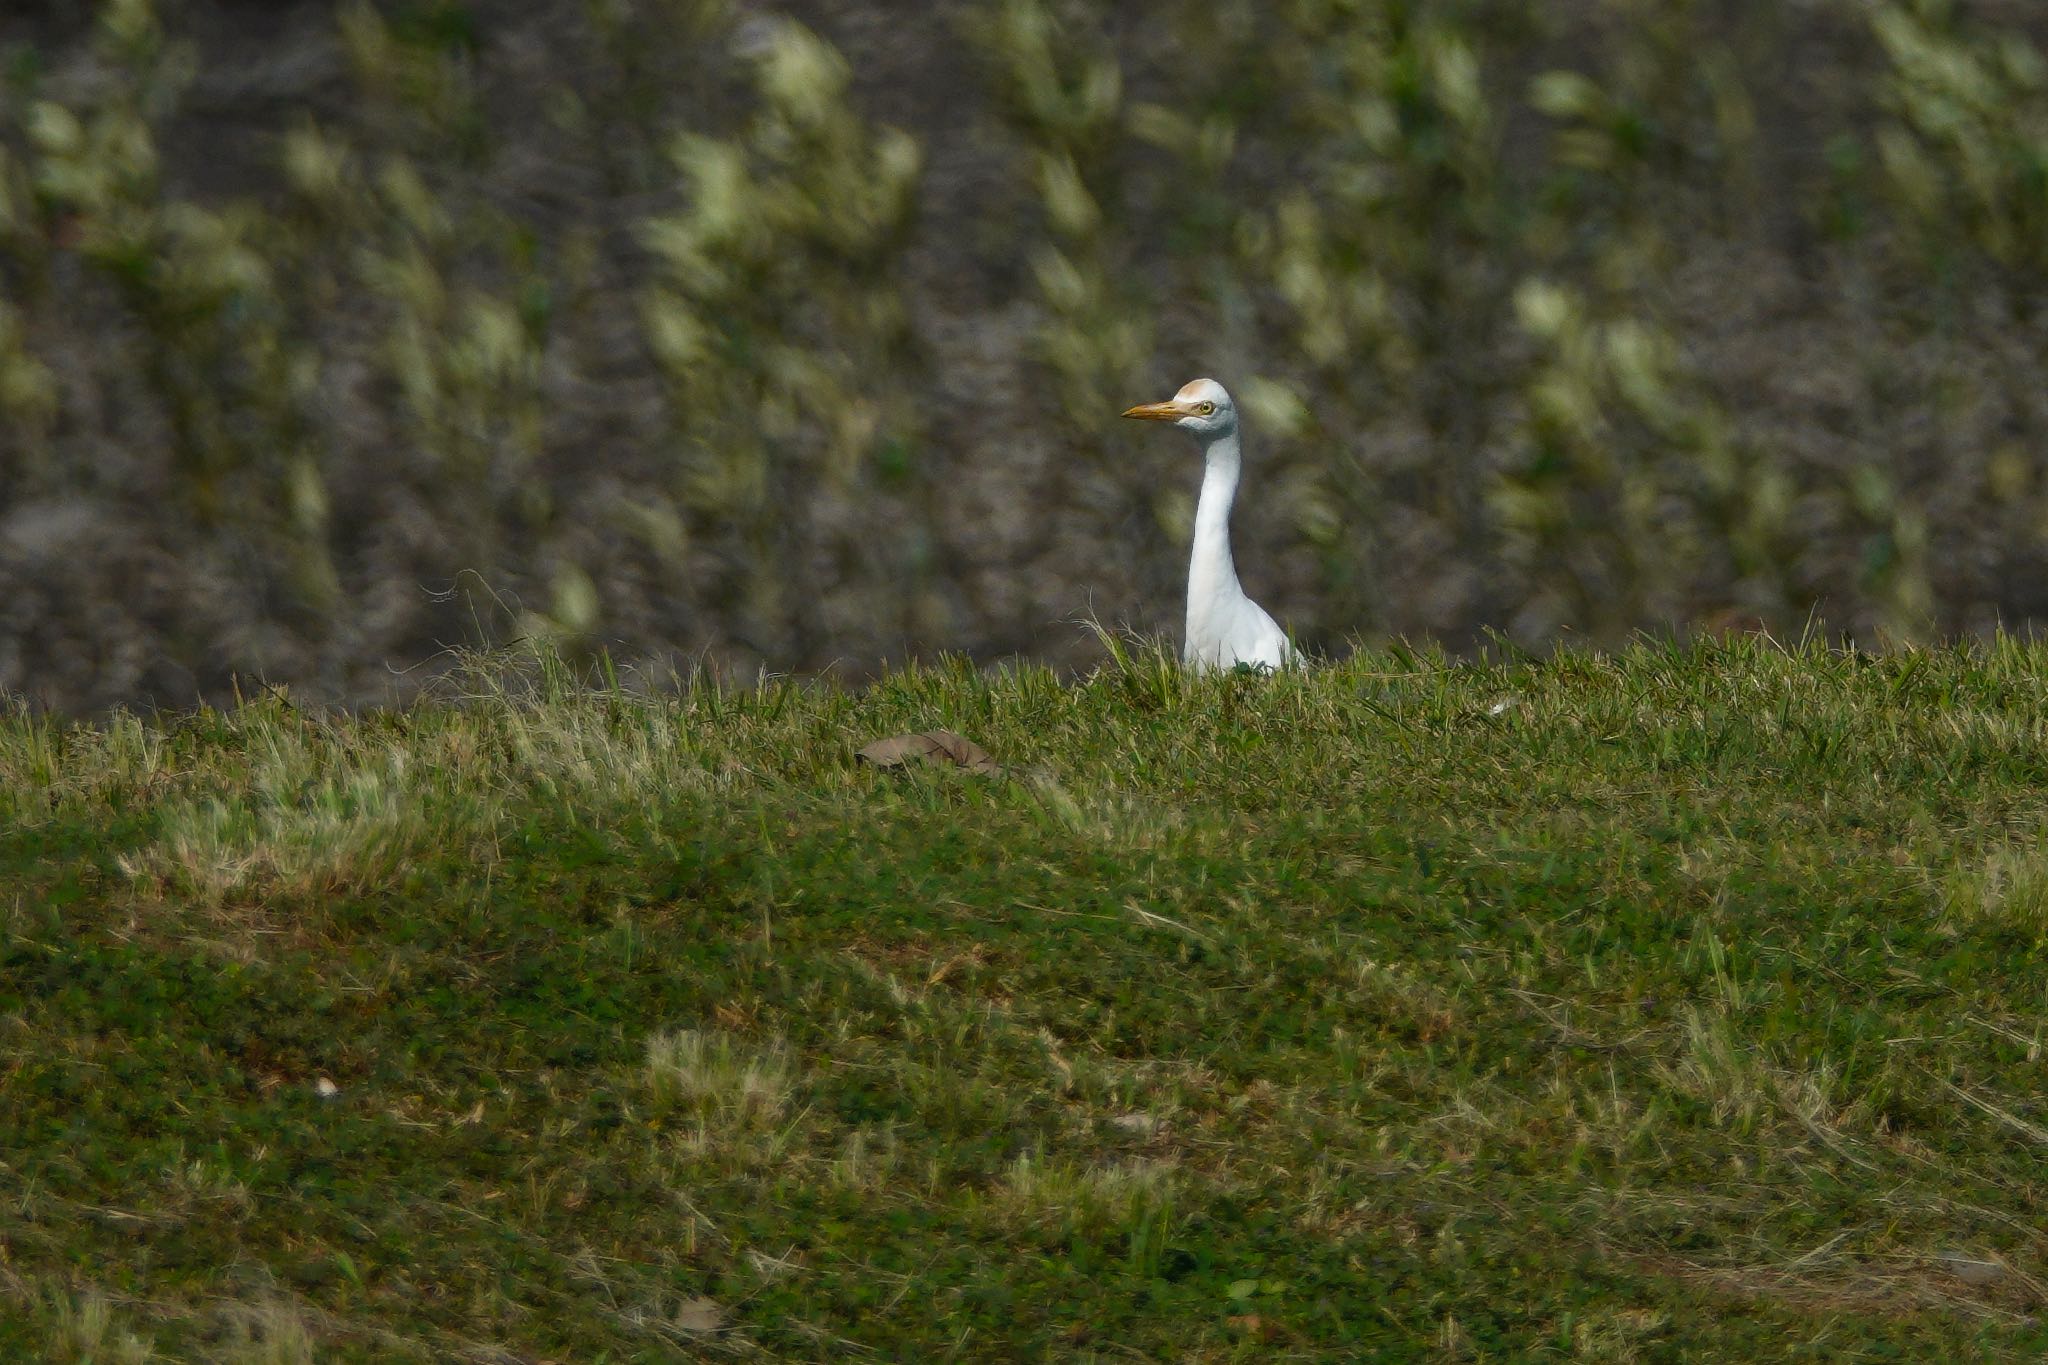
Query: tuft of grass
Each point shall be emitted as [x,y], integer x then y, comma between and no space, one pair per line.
[270,1332]
[2008,888]
[712,1074]
[1093,1198]
[83,1331]
[1688,1004]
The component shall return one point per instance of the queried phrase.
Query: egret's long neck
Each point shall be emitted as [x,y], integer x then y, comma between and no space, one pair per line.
[1211,574]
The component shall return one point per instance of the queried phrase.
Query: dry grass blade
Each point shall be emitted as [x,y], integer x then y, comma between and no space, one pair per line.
[2032,1132]
[931,746]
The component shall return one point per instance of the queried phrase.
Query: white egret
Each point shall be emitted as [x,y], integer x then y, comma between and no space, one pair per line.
[1225,628]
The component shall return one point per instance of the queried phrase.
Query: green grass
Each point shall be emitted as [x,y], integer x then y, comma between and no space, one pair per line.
[1686,1003]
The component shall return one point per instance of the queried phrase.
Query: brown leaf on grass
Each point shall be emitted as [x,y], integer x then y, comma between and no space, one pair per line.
[931,746]
[1254,1326]
[700,1317]
[1974,1271]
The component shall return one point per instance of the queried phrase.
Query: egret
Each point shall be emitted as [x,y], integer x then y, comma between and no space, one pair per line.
[1225,628]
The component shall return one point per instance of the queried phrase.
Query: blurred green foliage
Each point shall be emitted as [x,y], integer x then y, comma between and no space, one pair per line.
[781,335]
[796,338]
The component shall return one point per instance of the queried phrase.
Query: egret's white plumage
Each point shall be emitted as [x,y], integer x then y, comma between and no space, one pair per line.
[1225,628]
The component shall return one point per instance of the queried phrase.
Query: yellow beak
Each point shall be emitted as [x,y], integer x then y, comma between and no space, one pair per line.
[1157,412]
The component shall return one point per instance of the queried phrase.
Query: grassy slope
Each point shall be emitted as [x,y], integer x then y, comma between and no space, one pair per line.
[1678,1004]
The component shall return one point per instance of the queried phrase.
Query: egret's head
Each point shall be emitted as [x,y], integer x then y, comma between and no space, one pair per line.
[1201,406]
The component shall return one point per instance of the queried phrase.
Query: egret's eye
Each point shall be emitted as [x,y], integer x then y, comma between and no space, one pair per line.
[1205,408]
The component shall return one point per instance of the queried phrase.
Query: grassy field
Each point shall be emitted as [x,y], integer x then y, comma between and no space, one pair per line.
[1683,1004]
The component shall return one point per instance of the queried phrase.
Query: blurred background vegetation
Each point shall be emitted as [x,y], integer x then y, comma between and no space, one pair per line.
[793,335]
